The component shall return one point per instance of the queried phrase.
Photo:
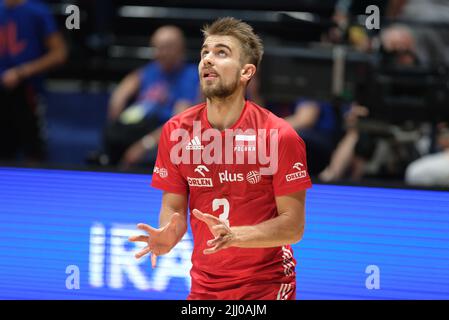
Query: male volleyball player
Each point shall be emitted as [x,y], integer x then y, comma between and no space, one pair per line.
[241,170]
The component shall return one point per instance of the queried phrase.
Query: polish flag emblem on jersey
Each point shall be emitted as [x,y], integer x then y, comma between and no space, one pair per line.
[245,142]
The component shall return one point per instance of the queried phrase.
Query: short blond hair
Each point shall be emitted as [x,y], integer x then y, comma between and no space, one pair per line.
[250,42]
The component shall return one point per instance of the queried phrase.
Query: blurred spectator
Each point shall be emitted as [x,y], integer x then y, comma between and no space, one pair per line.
[351,150]
[347,28]
[163,88]
[319,125]
[398,47]
[30,45]
[359,149]
[429,21]
[433,169]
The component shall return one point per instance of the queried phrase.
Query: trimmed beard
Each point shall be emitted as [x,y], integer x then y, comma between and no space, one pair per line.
[220,90]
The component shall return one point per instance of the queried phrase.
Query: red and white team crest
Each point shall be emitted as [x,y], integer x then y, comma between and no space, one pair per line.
[162,172]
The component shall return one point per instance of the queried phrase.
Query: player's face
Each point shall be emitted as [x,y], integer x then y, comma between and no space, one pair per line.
[220,66]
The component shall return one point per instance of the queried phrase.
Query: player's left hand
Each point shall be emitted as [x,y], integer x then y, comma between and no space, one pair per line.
[224,237]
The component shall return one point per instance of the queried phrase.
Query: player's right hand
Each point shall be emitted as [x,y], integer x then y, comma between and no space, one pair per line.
[159,241]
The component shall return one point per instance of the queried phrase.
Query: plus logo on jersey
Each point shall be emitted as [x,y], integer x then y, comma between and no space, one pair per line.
[200,182]
[299,174]
[227,176]
[252,177]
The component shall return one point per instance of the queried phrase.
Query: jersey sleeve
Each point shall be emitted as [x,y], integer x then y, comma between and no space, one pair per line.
[166,175]
[292,174]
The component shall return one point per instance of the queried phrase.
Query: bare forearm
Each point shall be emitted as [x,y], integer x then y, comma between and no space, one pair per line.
[41,65]
[275,232]
[55,56]
[125,90]
[305,117]
[155,134]
[165,215]
[122,94]
[150,140]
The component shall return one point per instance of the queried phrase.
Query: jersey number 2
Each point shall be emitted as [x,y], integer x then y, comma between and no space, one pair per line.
[223,202]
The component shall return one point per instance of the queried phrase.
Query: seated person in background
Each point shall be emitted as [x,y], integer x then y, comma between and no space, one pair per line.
[433,169]
[427,20]
[398,46]
[346,29]
[164,88]
[30,45]
[352,150]
[318,124]
[356,149]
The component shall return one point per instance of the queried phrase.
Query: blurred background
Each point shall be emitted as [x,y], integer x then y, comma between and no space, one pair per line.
[88,84]
[369,94]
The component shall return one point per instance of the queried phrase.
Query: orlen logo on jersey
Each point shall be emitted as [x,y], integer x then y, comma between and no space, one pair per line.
[230,177]
[200,182]
[297,175]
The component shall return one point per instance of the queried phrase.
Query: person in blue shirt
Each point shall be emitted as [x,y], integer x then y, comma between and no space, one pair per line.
[319,125]
[159,90]
[30,45]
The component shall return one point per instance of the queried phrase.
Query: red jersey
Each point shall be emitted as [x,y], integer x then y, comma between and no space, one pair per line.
[234,174]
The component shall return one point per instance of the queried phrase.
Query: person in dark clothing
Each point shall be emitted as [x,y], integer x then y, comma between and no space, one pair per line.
[30,45]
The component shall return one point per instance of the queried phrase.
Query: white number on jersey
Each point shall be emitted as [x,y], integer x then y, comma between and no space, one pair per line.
[216,204]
